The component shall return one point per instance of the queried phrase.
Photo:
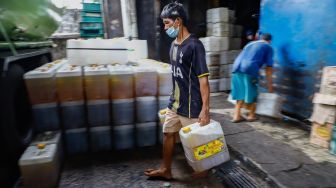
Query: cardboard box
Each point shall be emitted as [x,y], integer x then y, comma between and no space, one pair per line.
[321,134]
[324,109]
[328,84]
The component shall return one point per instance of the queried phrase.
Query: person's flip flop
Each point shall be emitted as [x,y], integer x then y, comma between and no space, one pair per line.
[238,120]
[252,120]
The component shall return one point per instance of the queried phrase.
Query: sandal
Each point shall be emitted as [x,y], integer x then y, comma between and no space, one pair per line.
[238,120]
[252,120]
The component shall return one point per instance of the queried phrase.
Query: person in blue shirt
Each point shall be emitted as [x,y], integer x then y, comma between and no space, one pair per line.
[189,101]
[245,73]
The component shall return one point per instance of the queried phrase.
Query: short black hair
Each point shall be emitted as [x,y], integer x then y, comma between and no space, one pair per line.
[174,10]
[266,36]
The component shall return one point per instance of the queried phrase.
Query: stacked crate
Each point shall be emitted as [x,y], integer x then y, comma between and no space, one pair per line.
[91,25]
[324,113]
[222,45]
[146,80]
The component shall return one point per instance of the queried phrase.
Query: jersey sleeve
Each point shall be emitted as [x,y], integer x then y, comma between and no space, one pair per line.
[198,60]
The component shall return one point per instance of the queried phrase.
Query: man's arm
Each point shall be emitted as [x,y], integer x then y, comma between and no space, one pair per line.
[269,72]
[204,117]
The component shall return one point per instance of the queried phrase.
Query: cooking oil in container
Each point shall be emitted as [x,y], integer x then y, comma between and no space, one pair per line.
[40,166]
[73,114]
[123,111]
[204,146]
[46,117]
[146,134]
[123,137]
[121,82]
[50,137]
[146,109]
[163,101]
[69,83]
[165,81]
[96,82]
[76,141]
[98,112]
[41,84]
[100,138]
[146,81]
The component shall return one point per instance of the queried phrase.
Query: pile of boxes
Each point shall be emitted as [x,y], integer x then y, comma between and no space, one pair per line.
[222,46]
[323,131]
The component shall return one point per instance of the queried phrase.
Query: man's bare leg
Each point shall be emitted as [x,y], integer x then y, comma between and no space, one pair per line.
[165,168]
[237,115]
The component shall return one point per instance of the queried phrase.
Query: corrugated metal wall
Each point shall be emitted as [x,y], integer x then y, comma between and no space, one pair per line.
[304,41]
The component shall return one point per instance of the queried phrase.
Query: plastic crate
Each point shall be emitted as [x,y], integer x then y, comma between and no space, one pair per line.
[91,25]
[91,7]
[91,33]
[92,19]
[91,14]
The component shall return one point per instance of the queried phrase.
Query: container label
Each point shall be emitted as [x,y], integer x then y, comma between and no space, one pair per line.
[323,132]
[209,149]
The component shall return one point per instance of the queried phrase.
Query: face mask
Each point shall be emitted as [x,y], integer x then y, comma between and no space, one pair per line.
[172,32]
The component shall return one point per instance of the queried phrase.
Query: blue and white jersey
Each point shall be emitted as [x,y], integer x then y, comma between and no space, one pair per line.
[188,65]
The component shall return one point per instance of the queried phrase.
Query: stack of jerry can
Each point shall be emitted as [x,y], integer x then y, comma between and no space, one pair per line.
[222,45]
[122,106]
[41,86]
[146,80]
[96,83]
[70,94]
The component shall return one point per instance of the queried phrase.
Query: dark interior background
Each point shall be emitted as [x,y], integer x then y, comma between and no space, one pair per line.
[150,25]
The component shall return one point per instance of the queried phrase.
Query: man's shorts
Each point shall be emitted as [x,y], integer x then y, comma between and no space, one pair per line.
[244,87]
[174,122]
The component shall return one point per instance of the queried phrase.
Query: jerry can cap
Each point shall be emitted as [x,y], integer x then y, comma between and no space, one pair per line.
[186,130]
[163,112]
[41,146]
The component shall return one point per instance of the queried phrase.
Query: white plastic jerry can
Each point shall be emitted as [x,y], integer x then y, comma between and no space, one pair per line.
[204,146]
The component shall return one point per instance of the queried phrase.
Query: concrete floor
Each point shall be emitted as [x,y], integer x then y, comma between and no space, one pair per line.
[125,169]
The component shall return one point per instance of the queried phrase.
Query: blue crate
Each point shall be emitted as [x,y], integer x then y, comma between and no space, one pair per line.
[91,14]
[91,33]
[91,7]
[91,25]
[91,19]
